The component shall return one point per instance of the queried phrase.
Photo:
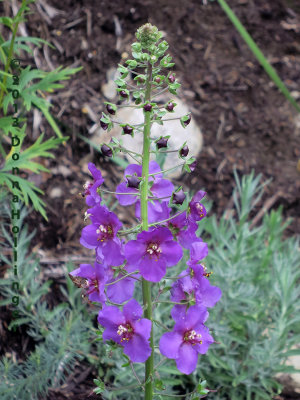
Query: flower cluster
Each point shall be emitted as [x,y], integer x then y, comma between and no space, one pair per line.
[165,235]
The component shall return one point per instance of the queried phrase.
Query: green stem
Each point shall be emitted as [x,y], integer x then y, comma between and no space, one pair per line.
[146,286]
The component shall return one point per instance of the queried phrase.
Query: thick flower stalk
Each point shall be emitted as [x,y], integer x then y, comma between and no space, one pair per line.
[165,234]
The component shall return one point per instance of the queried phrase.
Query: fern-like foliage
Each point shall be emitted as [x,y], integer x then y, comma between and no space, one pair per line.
[26,190]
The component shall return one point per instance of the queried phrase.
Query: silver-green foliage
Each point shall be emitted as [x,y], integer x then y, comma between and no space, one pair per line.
[61,334]
[257,320]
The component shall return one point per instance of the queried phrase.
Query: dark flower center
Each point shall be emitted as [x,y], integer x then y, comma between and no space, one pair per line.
[105,232]
[199,209]
[87,186]
[174,229]
[153,250]
[93,286]
[125,331]
[192,337]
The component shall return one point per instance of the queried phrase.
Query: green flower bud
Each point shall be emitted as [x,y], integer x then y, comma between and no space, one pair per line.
[145,57]
[136,46]
[148,35]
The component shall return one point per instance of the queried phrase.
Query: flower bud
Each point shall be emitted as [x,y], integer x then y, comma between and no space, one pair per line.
[123,94]
[127,129]
[162,142]
[171,78]
[188,120]
[133,181]
[157,79]
[110,109]
[140,79]
[106,150]
[170,106]
[103,124]
[179,197]
[184,151]
[148,107]
[148,35]
[193,166]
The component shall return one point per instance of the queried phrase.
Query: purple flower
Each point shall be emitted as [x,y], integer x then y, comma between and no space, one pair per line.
[188,338]
[123,289]
[101,235]
[193,287]
[128,329]
[160,187]
[95,280]
[196,209]
[183,230]
[153,252]
[90,188]
[157,211]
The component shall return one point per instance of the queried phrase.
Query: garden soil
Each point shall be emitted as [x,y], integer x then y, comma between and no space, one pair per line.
[247,124]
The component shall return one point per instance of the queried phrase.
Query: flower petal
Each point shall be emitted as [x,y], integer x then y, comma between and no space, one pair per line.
[162,188]
[132,310]
[110,317]
[138,348]
[172,252]
[89,236]
[187,359]
[170,343]
[126,199]
[152,269]
[134,251]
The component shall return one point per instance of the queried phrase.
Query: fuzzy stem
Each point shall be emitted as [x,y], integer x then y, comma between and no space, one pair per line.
[147,301]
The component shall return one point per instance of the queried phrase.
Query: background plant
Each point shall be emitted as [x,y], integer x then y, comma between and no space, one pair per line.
[257,323]
[32,86]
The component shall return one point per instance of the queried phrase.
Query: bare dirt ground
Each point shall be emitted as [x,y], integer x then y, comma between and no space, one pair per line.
[247,124]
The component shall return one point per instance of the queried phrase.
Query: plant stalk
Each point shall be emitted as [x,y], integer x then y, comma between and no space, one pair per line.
[146,286]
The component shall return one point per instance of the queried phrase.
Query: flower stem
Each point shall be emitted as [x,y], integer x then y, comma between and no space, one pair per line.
[146,286]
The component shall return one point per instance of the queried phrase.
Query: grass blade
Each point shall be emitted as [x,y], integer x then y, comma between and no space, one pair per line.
[258,53]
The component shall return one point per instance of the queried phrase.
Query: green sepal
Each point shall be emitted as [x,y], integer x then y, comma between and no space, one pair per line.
[105,118]
[201,388]
[153,59]
[121,83]
[153,49]
[162,79]
[136,46]
[113,106]
[187,163]
[161,114]
[123,70]
[137,55]
[163,46]
[165,62]
[122,126]
[145,57]
[173,87]
[183,119]
[110,145]
[138,78]
[166,289]
[183,158]
[173,102]
[125,90]
[132,63]
[159,385]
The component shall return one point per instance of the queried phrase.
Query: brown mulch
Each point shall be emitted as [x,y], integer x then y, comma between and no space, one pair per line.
[247,124]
